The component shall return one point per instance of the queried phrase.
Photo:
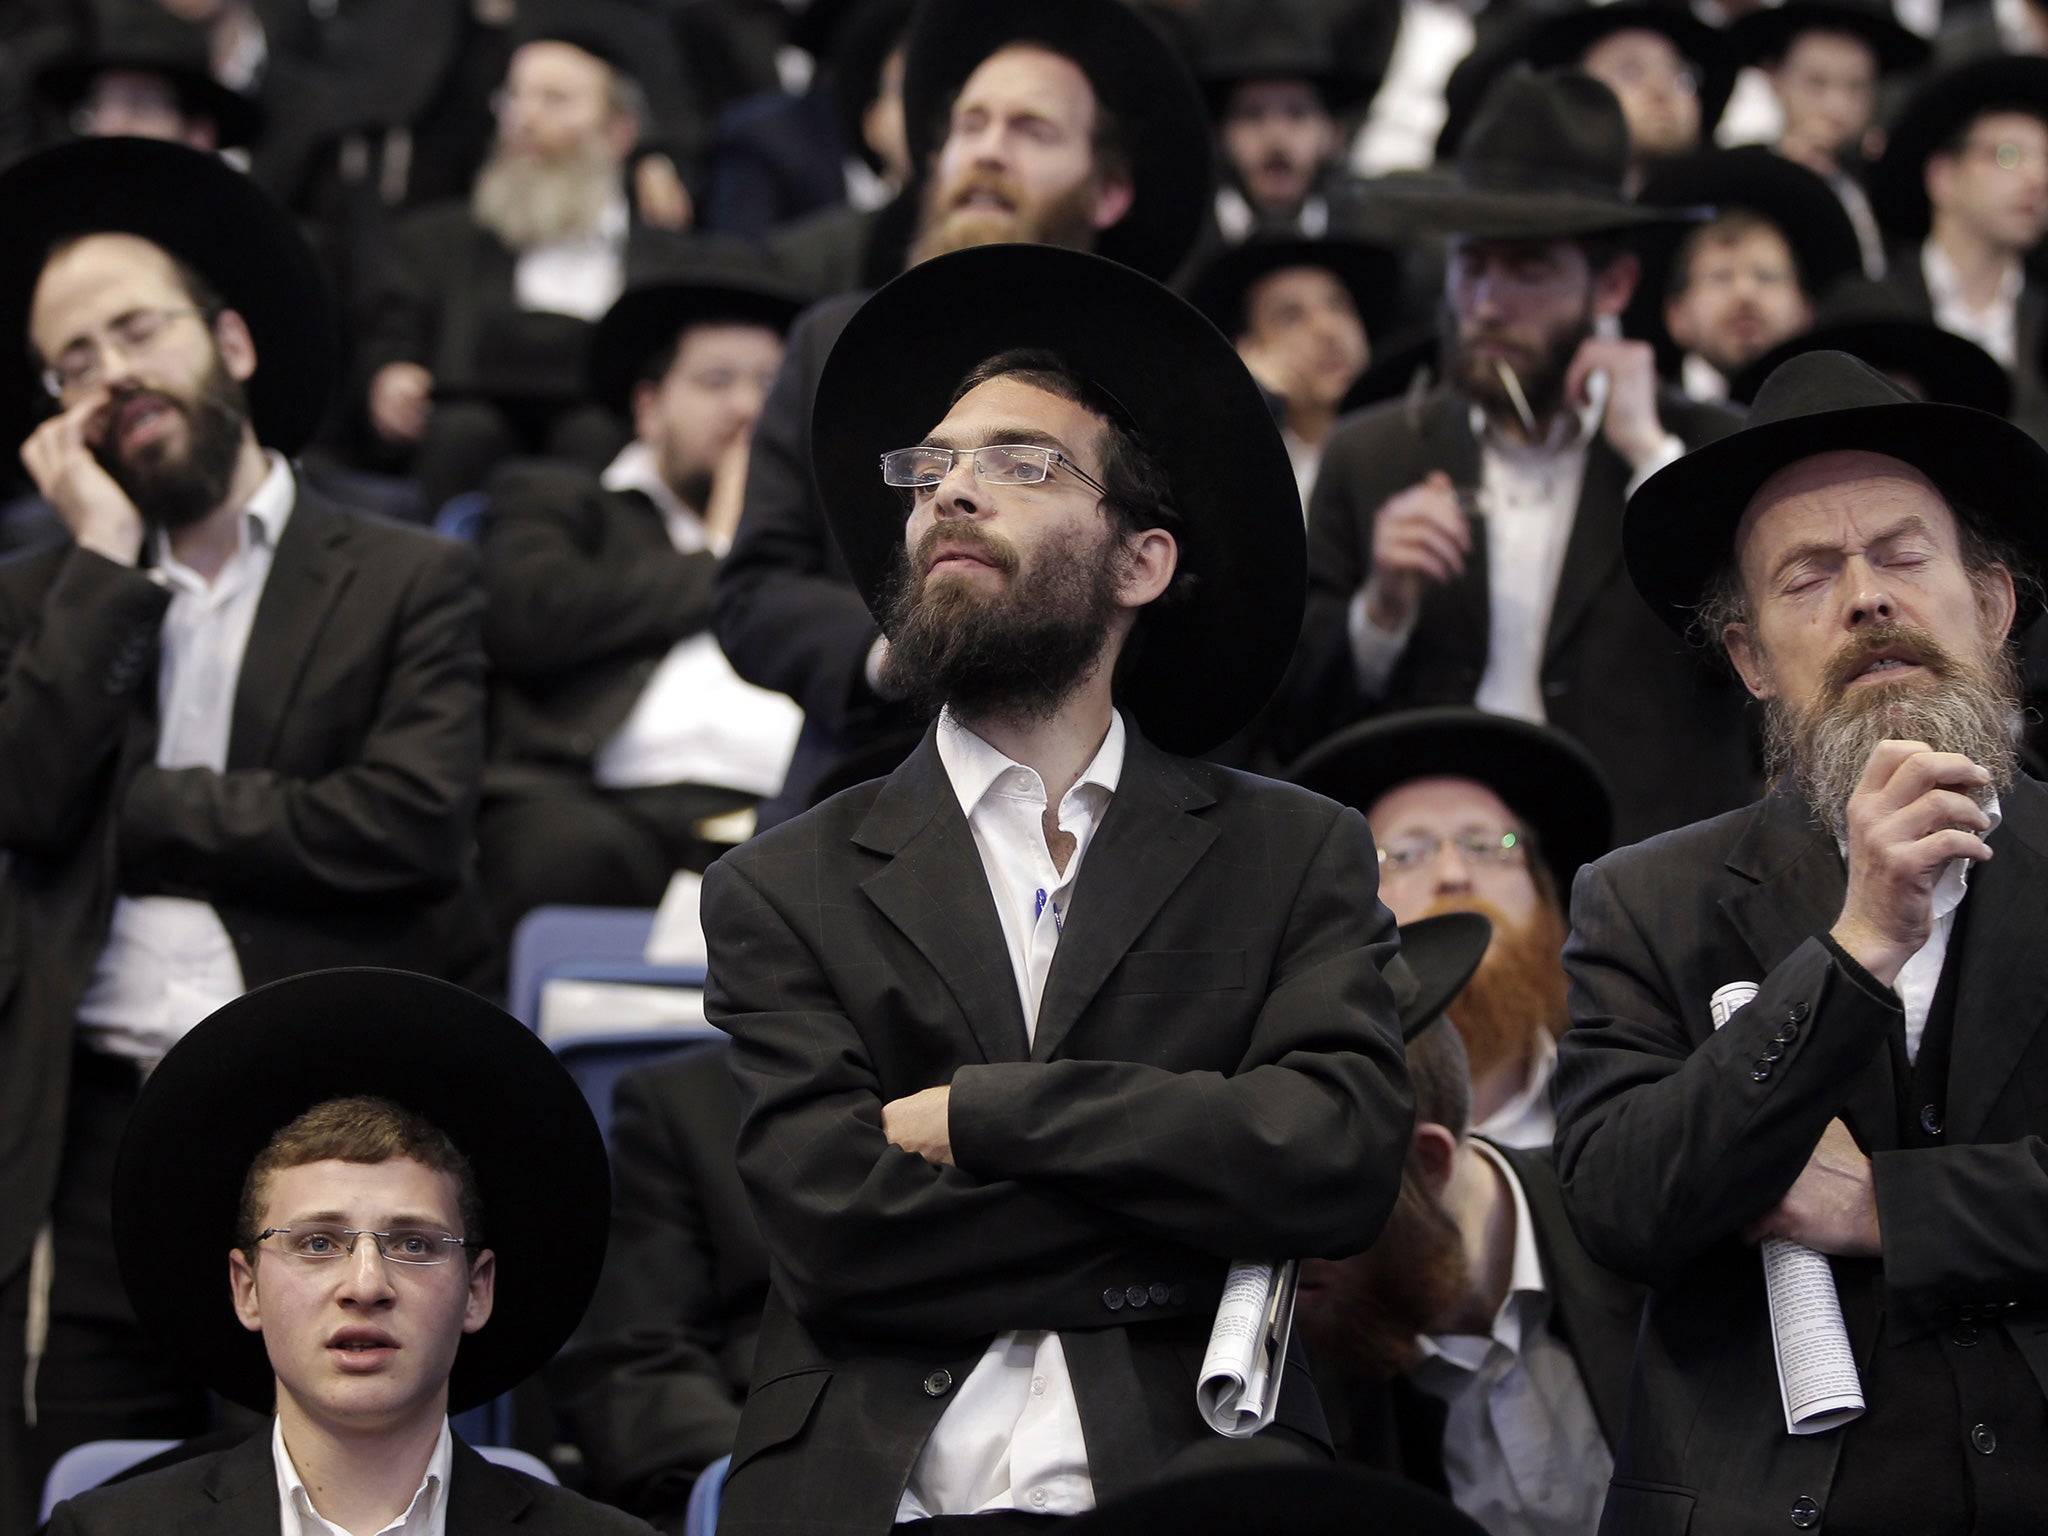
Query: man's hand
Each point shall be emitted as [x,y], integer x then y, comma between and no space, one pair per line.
[919,1124]
[401,399]
[1832,1205]
[1909,816]
[1420,539]
[1277,371]
[60,461]
[728,494]
[1631,424]
[659,194]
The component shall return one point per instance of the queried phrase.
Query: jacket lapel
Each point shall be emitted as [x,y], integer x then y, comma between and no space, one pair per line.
[308,573]
[482,1499]
[1139,857]
[1593,552]
[242,1488]
[2003,996]
[936,892]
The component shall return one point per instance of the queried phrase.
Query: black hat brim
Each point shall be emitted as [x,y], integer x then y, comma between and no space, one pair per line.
[1442,206]
[1135,72]
[1441,954]
[1203,666]
[237,119]
[255,1065]
[648,318]
[1371,274]
[1764,35]
[203,212]
[1949,369]
[1548,780]
[1939,109]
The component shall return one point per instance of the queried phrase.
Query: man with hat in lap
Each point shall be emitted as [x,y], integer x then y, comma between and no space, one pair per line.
[619,731]
[241,727]
[332,1204]
[1818,1019]
[1042,1031]
[1462,545]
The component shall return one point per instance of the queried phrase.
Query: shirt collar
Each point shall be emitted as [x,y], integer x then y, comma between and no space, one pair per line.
[1945,287]
[1700,379]
[1528,1291]
[1535,1088]
[637,468]
[418,1514]
[263,515]
[973,766]
[1569,432]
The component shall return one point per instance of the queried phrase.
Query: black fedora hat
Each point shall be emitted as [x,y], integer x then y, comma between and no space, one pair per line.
[1371,274]
[1262,41]
[1943,107]
[201,211]
[1763,35]
[1679,529]
[1204,665]
[1438,956]
[1302,1500]
[257,1064]
[648,317]
[1547,779]
[1881,325]
[1136,74]
[149,40]
[1546,159]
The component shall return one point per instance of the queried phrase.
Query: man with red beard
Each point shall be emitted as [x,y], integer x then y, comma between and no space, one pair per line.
[1819,1019]
[1474,1348]
[1481,813]
[241,728]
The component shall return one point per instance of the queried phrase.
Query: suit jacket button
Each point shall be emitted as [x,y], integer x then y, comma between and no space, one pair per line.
[1983,1440]
[1930,1119]
[1965,1334]
[1761,1071]
[939,1383]
[1161,1295]
[1137,1295]
[1774,1052]
[1805,1513]
[1113,1299]
[1798,1012]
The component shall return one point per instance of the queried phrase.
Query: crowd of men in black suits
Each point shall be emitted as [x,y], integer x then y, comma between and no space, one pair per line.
[464,449]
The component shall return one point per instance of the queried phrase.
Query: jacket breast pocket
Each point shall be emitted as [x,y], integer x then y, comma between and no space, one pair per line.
[1646,1509]
[1177,970]
[776,1413]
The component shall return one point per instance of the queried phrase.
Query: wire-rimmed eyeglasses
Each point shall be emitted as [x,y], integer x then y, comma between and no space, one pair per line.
[402,1245]
[994,464]
[1405,855]
[134,334]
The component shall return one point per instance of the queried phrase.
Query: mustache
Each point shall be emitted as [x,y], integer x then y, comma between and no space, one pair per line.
[967,538]
[1909,641]
[986,181]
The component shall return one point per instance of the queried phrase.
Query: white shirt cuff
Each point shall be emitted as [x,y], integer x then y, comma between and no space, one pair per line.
[1670,451]
[1374,652]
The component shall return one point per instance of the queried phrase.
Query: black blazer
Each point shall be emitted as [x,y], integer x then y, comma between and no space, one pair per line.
[234,1493]
[340,833]
[1905,276]
[1216,1074]
[651,1385]
[1673,1137]
[1669,730]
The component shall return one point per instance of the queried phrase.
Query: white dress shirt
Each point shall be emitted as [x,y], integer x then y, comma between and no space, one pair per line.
[1527,1120]
[427,1515]
[1408,110]
[1523,1450]
[1995,327]
[697,721]
[1700,379]
[1011,1438]
[576,277]
[168,962]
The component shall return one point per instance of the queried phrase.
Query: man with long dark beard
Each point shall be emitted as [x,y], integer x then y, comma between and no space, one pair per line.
[1041,1032]
[1818,1020]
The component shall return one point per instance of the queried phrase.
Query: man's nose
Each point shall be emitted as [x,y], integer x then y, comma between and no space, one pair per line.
[1871,601]
[958,493]
[369,1273]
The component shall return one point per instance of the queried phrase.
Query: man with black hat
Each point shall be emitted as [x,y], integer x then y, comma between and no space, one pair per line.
[999,1198]
[1067,122]
[1481,813]
[1462,543]
[620,734]
[242,727]
[1816,1022]
[359,1147]
[147,74]
[1474,1347]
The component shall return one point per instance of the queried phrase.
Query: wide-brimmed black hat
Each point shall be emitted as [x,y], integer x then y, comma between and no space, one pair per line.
[1438,956]
[1883,326]
[1203,665]
[1547,779]
[149,40]
[1136,74]
[1943,107]
[1371,274]
[204,212]
[633,36]
[254,1066]
[1764,34]
[1547,158]
[1679,530]
[1263,41]
[647,319]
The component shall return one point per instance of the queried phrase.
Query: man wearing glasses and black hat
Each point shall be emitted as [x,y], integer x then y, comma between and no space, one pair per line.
[1040,1032]
[1819,1019]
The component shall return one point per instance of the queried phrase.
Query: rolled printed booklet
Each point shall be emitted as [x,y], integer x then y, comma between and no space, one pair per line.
[1240,1382]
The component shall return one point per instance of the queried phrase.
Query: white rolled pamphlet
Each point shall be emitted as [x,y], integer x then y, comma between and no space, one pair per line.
[1240,1381]
[1817,1380]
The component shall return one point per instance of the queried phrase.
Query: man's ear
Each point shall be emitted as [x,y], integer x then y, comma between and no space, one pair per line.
[1747,657]
[1113,200]
[642,406]
[1997,600]
[1436,1154]
[1150,559]
[237,346]
[1616,283]
[242,1282]
[483,1290]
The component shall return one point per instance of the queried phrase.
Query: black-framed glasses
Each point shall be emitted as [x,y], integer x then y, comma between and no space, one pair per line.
[1405,855]
[994,464]
[135,334]
[402,1245]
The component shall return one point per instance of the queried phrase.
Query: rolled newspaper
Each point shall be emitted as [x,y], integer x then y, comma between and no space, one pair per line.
[1240,1381]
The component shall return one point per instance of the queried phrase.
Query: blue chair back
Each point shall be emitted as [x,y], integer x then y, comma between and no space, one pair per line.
[598,1061]
[461,518]
[584,944]
[518,1461]
[700,1515]
[86,1466]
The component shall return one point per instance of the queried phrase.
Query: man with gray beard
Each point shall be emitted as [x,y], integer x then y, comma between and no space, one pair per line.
[1819,1019]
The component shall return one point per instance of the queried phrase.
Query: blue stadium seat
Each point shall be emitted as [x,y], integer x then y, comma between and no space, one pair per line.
[584,944]
[598,1061]
[87,1466]
[700,1515]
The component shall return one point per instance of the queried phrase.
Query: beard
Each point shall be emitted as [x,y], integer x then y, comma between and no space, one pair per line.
[947,222]
[173,491]
[1957,705]
[526,201]
[1541,370]
[1012,656]
[1377,1304]
[1517,993]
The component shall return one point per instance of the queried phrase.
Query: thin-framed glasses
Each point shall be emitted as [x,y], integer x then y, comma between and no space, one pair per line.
[402,1245]
[135,334]
[1406,855]
[994,464]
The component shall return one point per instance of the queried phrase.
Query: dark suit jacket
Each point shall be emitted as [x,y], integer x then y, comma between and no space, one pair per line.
[1216,1073]
[1669,1145]
[651,1385]
[1905,276]
[234,1493]
[340,833]
[586,595]
[1669,730]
